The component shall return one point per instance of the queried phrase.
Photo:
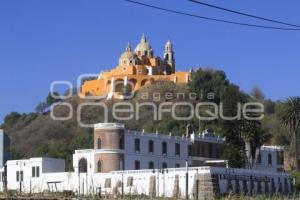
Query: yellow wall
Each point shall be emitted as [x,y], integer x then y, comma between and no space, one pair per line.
[102,85]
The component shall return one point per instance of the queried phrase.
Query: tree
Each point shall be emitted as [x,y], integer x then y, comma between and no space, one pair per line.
[290,117]
[257,94]
[206,81]
[234,150]
[41,107]
[51,98]
[254,137]
[12,118]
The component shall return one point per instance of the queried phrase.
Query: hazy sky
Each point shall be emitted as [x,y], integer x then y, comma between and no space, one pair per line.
[43,41]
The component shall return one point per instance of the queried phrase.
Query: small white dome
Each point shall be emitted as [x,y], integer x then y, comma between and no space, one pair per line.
[128,53]
[128,57]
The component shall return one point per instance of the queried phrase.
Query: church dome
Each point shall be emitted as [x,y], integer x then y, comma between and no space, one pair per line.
[143,48]
[128,57]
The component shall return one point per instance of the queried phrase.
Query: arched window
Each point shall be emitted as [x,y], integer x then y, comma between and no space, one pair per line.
[82,165]
[99,166]
[99,143]
[167,57]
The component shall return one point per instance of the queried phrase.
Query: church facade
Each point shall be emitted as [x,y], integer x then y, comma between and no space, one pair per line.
[136,69]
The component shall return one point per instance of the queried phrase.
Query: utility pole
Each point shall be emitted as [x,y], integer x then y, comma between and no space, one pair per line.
[186,180]
[78,181]
[197,186]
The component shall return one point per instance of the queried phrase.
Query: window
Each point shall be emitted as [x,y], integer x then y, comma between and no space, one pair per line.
[190,150]
[151,165]
[137,145]
[167,57]
[98,143]
[121,146]
[21,175]
[17,176]
[37,171]
[269,159]
[33,171]
[177,149]
[137,165]
[164,148]
[177,165]
[151,146]
[164,165]
[99,166]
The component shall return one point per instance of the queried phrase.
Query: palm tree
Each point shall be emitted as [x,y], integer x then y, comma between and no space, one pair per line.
[290,117]
[254,137]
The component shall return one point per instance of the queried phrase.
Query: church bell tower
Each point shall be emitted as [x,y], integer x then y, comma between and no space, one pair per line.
[169,58]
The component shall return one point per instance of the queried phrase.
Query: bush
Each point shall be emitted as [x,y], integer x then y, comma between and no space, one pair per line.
[296,176]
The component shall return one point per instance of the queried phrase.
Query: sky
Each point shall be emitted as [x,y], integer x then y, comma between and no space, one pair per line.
[53,40]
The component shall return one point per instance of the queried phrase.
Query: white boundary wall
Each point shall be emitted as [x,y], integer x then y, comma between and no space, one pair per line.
[90,183]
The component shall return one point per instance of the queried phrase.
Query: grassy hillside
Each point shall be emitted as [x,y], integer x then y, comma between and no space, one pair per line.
[36,134]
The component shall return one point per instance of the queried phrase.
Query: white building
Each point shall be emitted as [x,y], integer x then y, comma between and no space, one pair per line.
[271,158]
[151,164]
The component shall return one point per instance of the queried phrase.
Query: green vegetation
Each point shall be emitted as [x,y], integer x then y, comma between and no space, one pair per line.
[290,117]
[43,106]
[36,134]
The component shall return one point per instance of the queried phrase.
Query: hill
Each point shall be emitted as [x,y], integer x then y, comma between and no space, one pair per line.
[37,134]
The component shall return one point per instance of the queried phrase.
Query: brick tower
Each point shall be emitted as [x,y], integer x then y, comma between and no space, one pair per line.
[109,143]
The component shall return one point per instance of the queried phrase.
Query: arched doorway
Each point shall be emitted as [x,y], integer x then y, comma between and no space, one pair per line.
[82,165]
[144,82]
[132,84]
[119,86]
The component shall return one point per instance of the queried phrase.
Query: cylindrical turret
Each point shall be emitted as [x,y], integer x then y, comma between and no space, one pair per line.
[109,139]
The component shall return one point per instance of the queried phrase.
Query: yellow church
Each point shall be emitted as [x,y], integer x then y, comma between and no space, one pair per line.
[136,69]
